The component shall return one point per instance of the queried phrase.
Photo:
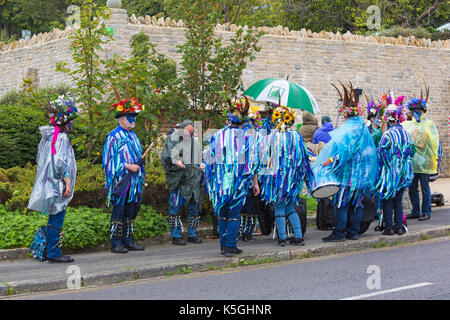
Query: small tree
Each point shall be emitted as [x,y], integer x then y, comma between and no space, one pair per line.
[151,77]
[211,72]
[89,76]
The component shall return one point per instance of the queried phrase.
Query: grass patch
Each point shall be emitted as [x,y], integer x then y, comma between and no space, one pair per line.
[252,262]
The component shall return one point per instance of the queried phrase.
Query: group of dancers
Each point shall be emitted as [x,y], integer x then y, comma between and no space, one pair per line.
[249,158]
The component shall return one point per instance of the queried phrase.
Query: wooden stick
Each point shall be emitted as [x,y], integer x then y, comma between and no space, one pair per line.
[148,150]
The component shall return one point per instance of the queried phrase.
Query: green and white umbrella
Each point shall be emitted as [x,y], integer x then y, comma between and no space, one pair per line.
[292,95]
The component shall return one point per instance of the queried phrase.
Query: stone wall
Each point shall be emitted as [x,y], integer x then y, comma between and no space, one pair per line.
[310,59]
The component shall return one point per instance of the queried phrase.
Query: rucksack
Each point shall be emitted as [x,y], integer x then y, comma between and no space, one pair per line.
[325,214]
[39,246]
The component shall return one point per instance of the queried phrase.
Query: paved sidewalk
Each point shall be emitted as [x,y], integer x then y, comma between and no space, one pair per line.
[28,275]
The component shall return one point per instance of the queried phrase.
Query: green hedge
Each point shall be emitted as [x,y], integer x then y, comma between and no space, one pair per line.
[16,184]
[83,227]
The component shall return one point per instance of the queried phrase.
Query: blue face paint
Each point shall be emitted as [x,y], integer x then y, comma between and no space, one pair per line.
[131,118]
[377,122]
[417,115]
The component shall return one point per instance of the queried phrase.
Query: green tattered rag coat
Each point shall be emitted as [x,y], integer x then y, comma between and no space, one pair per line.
[187,180]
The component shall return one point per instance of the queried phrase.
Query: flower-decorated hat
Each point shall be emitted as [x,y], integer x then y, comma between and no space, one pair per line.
[421,103]
[395,113]
[350,106]
[282,115]
[62,110]
[239,111]
[126,106]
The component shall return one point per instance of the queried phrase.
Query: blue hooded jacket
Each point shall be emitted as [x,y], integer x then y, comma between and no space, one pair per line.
[323,133]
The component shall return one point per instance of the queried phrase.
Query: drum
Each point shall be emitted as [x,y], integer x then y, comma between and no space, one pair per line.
[324,184]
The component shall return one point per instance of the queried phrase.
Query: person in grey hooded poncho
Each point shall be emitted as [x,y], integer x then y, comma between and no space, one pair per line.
[56,173]
[181,158]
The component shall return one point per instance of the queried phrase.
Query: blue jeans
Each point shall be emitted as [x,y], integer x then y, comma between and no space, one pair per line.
[424,179]
[393,205]
[53,234]
[228,225]
[122,218]
[341,216]
[285,209]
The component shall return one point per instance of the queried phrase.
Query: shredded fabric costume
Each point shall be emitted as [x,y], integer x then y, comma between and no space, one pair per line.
[284,166]
[48,188]
[231,161]
[122,147]
[354,161]
[426,140]
[395,170]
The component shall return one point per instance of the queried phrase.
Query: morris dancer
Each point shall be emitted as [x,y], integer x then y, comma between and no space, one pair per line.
[284,167]
[122,154]
[230,172]
[181,158]
[426,140]
[351,157]
[56,173]
[395,173]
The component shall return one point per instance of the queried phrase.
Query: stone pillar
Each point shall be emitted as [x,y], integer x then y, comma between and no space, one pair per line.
[118,21]
[114,4]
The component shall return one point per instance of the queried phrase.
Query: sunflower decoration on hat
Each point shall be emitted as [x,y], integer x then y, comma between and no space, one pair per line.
[283,117]
[126,106]
[350,106]
[62,110]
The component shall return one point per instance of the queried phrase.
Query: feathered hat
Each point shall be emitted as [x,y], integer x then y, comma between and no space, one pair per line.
[350,104]
[239,111]
[421,103]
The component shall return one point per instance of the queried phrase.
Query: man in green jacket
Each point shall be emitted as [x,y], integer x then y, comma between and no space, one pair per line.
[181,158]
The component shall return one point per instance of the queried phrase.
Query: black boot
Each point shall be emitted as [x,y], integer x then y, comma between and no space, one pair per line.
[119,249]
[61,259]
[134,247]
[178,241]
[194,240]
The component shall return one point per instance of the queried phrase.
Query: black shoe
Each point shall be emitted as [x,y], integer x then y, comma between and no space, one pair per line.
[194,240]
[229,252]
[412,216]
[332,238]
[62,259]
[298,242]
[349,237]
[178,241]
[119,249]
[282,243]
[388,232]
[424,217]
[134,247]
[399,231]
[249,237]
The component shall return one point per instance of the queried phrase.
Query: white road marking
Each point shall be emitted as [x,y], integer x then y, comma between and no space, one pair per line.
[368,295]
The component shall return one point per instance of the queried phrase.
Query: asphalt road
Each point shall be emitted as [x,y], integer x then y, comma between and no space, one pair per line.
[417,271]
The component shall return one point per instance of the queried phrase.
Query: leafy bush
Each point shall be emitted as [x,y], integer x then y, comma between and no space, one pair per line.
[19,134]
[441,35]
[83,227]
[405,32]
